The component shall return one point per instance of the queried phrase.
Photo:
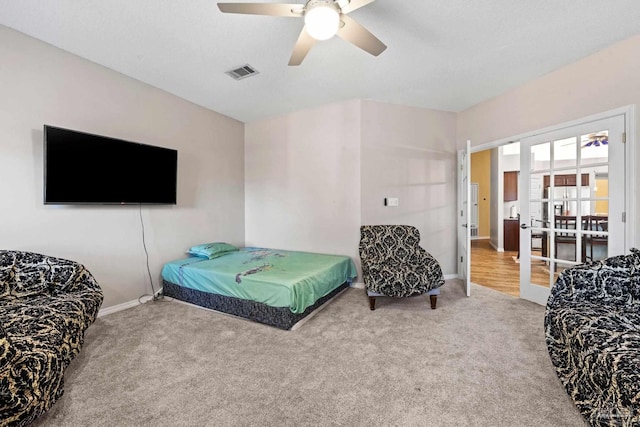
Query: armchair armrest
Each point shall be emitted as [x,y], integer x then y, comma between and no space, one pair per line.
[403,280]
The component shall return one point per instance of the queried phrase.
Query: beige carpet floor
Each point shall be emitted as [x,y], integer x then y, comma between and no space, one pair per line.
[478,361]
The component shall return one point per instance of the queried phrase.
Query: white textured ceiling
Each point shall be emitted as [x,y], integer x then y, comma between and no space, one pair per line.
[445,54]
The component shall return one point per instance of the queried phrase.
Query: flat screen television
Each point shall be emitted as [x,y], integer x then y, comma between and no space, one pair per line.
[81,168]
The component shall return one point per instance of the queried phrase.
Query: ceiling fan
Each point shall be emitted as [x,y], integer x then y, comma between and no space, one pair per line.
[591,140]
[323,19]
[597,139]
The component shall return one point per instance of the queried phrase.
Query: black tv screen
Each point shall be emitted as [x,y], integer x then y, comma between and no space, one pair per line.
[81,168]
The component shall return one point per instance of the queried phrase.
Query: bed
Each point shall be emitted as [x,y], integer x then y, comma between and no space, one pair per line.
[270,286]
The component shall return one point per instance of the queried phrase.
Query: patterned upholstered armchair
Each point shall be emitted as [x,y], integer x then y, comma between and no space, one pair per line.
[46,304]
[592,327]
[394,264]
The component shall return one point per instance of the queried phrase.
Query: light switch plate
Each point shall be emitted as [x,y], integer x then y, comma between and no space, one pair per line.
[391,201]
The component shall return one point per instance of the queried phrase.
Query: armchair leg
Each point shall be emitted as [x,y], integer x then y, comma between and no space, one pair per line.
[372,303]
[433,299]
[372,300]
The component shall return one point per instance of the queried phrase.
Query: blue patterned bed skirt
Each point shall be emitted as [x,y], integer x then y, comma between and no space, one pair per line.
[280,317]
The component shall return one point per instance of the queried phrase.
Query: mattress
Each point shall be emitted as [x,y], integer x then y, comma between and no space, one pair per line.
[275,278]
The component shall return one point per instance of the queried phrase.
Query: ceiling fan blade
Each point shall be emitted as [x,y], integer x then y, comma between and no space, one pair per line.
[355,4]
[302,47]
[271,9]
[355,33]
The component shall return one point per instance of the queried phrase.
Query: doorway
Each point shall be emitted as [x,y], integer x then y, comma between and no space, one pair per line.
[592,238]
[494,254]
[577,220]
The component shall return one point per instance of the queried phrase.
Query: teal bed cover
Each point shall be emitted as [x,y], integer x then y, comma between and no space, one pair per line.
[274,277]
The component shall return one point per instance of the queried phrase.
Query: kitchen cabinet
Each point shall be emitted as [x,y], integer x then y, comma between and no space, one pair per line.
[567,180]
[565,194]
[511,234]
[510,186]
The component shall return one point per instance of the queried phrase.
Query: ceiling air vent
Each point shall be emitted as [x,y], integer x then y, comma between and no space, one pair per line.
[242,72]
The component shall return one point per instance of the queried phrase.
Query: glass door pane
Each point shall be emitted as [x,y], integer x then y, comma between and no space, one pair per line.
[594,155]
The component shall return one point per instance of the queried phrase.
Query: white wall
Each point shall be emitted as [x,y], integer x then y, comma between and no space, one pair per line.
[409,153]
[302,180]
[601,82]
[41,84]
[314,176]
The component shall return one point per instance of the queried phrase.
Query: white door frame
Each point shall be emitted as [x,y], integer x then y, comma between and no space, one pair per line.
[630,174]
[463,229]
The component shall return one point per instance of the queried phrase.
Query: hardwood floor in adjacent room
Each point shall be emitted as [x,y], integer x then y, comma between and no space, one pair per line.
[499,271]
[493,269]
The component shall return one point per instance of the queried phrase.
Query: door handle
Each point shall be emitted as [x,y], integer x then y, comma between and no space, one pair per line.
[464,225]
[524,226]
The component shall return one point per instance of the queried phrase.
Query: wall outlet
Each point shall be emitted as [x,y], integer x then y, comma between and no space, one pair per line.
[391,201]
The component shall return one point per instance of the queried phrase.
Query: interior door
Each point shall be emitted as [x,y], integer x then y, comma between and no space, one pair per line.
[464,230]
[567,213]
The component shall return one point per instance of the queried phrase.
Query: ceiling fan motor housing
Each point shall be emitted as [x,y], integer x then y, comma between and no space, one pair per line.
[326,3]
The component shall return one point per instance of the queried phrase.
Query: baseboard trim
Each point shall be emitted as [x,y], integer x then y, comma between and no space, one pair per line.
[497,248]
[116,308]
[125,305]
[450,276]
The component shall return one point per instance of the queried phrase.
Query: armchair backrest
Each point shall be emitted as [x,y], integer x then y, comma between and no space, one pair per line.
[611,281]
[380,243]
[24,274]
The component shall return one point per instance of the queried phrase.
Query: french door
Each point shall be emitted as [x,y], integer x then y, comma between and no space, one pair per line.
[572,192]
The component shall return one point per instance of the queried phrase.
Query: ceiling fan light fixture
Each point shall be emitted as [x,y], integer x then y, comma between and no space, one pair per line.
[322,19]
